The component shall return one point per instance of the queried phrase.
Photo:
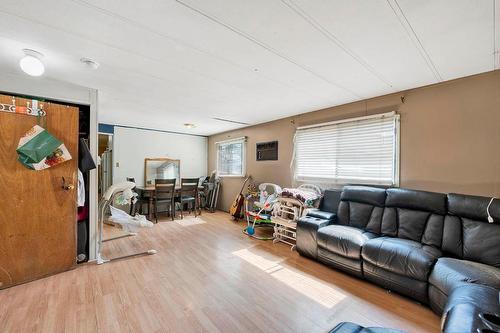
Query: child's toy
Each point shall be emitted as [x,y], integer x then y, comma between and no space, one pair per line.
[258,208]
[120,193]
[291,205]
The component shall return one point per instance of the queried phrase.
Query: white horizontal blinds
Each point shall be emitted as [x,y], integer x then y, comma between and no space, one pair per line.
[230,158]
[358,151]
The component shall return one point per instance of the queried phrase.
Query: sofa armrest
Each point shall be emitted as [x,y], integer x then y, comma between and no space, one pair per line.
[467,306]
[307,228]
[320,214]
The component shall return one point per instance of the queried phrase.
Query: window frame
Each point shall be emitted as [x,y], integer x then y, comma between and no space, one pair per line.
[243,141]
[346,181]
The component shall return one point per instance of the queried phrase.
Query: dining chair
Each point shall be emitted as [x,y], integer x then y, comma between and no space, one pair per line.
[141,200]
[164,194]
[189,195]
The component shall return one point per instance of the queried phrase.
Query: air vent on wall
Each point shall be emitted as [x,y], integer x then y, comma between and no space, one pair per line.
[267,151]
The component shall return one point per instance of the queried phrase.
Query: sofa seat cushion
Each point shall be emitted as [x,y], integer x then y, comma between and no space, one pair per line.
[307,229]
[401,256]
[449,273]
[343,240]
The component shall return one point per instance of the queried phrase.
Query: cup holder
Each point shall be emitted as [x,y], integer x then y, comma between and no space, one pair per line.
[492,321]
[492,318]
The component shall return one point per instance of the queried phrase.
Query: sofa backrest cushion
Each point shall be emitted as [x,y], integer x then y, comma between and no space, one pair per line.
[468,235]
[330,201]
[361,207]
[415,215]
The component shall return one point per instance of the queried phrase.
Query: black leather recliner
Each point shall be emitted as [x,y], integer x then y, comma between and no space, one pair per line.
[471,246]
[412,226]
[359,217]
[439,249]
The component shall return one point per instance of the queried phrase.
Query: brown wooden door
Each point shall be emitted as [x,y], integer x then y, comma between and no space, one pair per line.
[37,216]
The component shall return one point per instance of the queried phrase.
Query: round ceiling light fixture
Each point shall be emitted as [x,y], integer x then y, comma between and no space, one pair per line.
[90,63]
[31,63]
[187,125]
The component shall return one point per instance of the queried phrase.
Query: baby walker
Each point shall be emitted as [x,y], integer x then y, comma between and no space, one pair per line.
[121,193]
[258,208]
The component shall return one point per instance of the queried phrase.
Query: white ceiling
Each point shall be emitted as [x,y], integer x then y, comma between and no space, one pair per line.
[164,63]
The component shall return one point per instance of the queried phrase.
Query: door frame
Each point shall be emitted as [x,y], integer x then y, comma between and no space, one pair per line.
[64,92]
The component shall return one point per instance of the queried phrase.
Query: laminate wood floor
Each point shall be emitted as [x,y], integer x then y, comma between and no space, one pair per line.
[206,277]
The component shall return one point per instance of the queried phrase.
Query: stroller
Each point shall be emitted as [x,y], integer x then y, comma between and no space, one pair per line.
[258,208]
[122,194]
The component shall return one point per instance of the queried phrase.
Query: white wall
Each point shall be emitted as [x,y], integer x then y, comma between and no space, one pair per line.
[131,146]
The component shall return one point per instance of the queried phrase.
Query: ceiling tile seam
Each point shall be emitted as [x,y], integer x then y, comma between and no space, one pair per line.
[405,23]
[335,40]
[170,83]
[105,90]
[159,130]
[268,48]
[190,46]
[149,105]
[83,37]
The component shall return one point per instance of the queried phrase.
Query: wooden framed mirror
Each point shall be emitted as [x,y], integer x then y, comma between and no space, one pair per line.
[161,168]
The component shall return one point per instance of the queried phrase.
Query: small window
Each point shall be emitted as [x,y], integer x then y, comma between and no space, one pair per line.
[231,158]
[362,150]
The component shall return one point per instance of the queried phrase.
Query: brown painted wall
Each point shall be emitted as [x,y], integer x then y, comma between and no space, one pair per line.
[450,138]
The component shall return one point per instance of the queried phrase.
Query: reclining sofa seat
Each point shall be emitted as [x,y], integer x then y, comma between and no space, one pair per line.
[470,246]
[412,229]
[359,218]
[307,226]
[466,306]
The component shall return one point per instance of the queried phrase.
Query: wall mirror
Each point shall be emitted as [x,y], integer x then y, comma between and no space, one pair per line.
[161,168]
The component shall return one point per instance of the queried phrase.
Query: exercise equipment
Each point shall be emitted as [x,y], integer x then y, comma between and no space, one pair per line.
[210,193]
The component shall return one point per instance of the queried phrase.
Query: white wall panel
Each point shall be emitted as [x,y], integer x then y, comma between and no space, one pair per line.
[131,146]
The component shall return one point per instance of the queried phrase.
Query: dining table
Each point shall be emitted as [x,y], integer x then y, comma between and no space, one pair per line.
[148,191]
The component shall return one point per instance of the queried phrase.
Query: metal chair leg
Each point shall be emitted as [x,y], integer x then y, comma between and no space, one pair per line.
[156,211]
[131,208]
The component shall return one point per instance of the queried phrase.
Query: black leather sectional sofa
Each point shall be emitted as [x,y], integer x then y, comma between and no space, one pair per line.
[425,245]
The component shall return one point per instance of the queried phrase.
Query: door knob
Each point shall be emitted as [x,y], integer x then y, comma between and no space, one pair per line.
[67,187]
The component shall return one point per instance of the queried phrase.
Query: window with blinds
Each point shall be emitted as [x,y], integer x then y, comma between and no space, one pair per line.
[361,150]
[231,158]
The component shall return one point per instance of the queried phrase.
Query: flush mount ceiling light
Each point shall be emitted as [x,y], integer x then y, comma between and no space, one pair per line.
[31,63]
[189,125]
[90,63]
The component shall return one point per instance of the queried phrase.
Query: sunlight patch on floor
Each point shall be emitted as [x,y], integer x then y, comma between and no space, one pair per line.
[314,289]
[189,221]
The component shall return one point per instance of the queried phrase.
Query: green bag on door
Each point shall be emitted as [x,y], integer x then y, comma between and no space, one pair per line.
[36,144]
[38,149]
